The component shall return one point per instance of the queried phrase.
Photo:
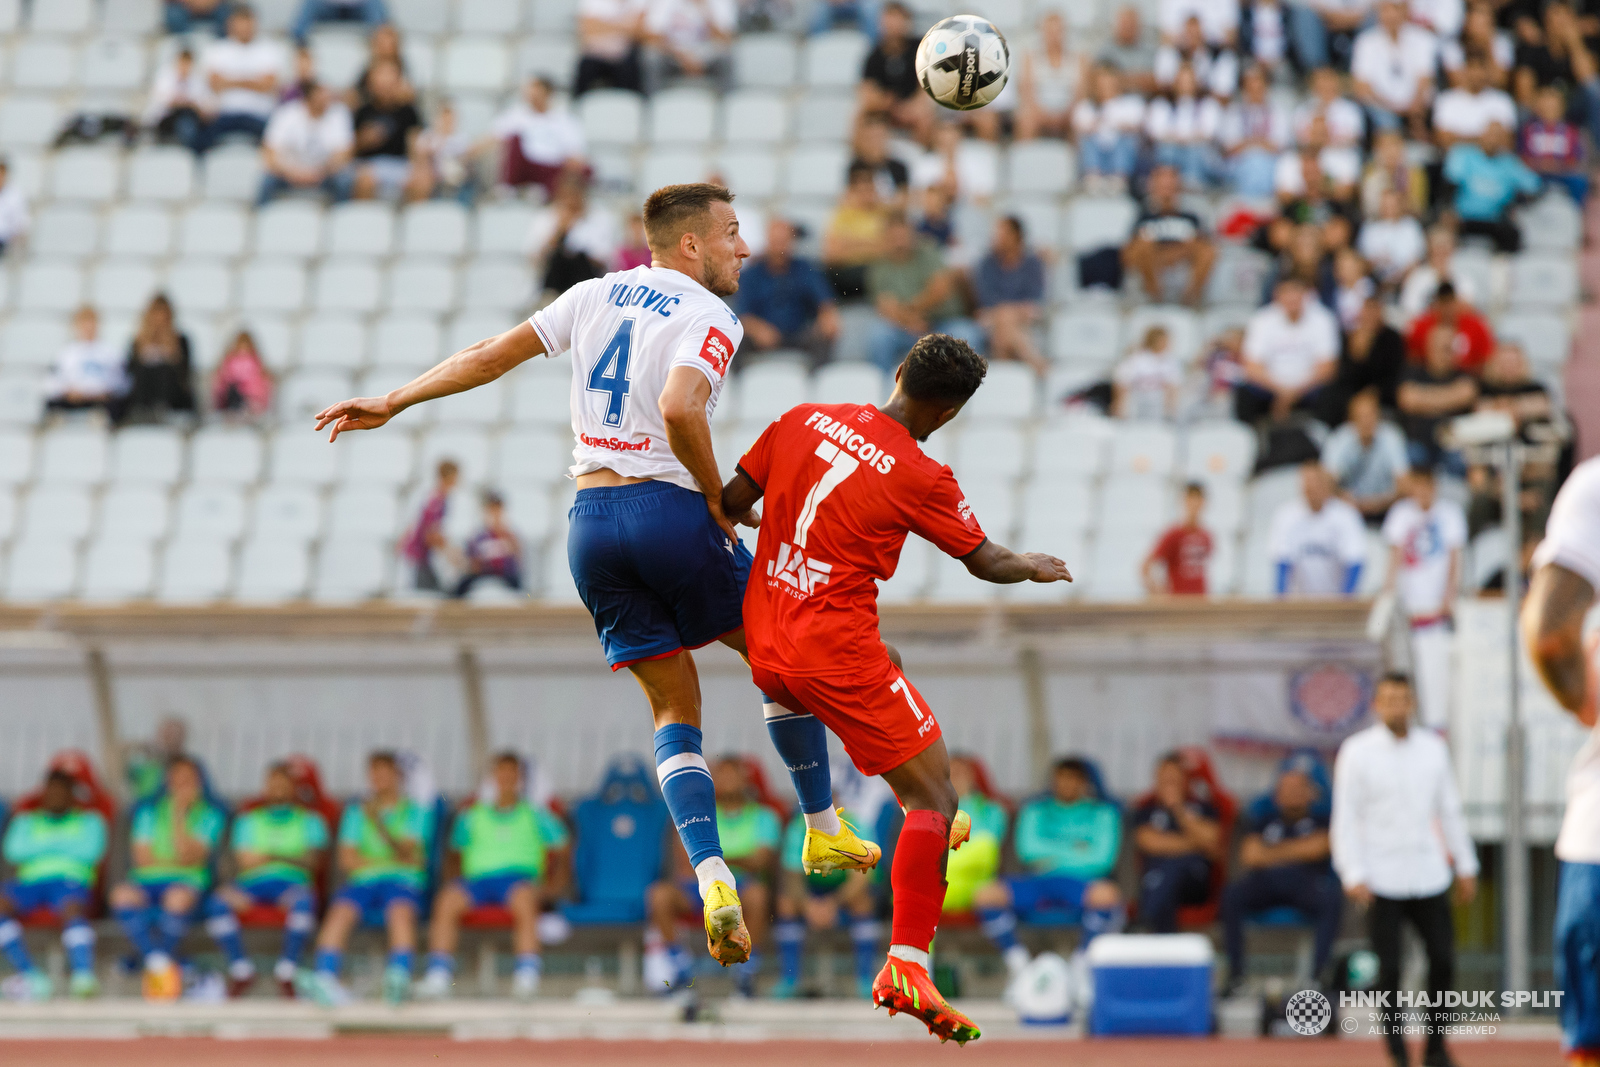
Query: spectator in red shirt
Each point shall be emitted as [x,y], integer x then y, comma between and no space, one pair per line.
[1183,551]
[1472,341]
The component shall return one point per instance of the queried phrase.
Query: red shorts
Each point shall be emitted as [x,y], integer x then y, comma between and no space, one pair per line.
[877,713]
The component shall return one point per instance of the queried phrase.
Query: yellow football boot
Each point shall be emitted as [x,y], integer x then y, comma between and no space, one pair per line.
[960,830]
[843,851]
[727,937]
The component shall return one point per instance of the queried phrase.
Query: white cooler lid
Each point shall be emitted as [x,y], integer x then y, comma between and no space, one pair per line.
[1150,950]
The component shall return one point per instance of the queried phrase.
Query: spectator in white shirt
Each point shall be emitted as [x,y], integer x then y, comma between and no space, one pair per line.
[1424,279]
[1393,65]
[1393,242]
[1218,20]
[88,372]
[1342,118]
[181,105]
[1336,172]
[1397,832]
[691,39]
[308,146]
[1107,126]
[1318,542]
[542,143]
[1252,131]
[1216,69]
[609,36]
[1182,128]
[1443,18]
[14,217]
[371,13]
[1145,383]
[1291,350]
[1465,112]
[1322,30]
[1426,535]
[245,72]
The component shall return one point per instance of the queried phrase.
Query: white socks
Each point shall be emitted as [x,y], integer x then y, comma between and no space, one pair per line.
[711,870]
[910,955]
[825,821]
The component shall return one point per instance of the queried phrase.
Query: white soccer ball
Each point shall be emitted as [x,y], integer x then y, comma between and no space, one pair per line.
[963,62]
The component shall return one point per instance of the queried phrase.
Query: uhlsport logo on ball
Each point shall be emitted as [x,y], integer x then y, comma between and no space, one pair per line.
[1308,1012]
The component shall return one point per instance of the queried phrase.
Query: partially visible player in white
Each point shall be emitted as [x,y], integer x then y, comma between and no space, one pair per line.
[1318,543]
[1565,584]
[1425,536]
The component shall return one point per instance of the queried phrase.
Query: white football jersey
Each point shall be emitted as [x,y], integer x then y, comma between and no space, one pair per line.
[626,331]
[1425,540]
[1572,540]
[1318,545]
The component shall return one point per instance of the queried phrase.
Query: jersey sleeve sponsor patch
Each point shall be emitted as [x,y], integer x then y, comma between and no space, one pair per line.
[717,350]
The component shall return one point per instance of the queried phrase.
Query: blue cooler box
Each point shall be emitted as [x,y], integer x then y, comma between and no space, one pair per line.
[1150,984]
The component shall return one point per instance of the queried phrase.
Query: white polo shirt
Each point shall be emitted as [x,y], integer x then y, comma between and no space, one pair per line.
[299,139]
[1393,66]
[1292,351]
[238,61]
[1469,114]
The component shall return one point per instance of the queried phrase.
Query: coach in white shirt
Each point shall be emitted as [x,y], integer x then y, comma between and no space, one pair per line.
[244,71]
[1291,350]
[1318,543]
[1463,114]
[1425,536]
[1393,67]
[1398,840]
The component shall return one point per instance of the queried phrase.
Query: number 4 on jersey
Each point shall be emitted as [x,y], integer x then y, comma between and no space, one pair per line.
[610,373]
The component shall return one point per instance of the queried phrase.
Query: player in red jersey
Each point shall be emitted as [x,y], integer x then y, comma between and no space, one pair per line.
[844,484]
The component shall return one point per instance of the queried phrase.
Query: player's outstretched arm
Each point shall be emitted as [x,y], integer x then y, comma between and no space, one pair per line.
[1552,628]
[475,365]
[996,563]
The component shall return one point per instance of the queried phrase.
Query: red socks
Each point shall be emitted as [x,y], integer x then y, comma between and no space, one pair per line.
[918,878]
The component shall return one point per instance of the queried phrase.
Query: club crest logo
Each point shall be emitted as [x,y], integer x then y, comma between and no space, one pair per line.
[1329,698]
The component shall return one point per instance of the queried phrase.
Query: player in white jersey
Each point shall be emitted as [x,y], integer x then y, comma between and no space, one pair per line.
[654,558]
[1566,581]
[1317,543]
[1425,536]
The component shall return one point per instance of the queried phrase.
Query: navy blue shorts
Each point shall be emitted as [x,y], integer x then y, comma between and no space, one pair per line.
[1056,892]
[654,570]
[493,889]
[51,894]
[373,898]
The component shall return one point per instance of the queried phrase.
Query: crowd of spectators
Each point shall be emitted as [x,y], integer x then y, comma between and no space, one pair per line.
[1074,854]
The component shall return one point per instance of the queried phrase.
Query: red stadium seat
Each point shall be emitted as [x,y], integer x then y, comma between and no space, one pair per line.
[487,917]
[89,793]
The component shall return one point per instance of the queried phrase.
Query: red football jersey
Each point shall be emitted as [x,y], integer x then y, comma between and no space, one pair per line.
[843,485]
[1185,552]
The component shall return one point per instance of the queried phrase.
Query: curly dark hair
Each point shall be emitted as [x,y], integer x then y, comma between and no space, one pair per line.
[943,369]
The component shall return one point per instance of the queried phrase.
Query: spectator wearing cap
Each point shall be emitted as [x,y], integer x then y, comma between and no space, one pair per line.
[542,143]
[785,301]
[1471,339]
[889,73]
[1008,283]
[370,13]
[187,16]
[14,216]
[1178,837]
[1367,457]
[1169,244]
[308,146]
[1398,842]
[609,36]
[87,373]
[1393,64]
[1291,351]
[493,553]
[1285,855]
[689,39]
[1489,178]
[244,71]
[914,293]
[181,105]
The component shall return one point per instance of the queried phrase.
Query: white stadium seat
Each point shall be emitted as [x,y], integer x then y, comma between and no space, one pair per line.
[139,230]
[672,166]
[467,446]
[232,172]
[1078,447]
[754,116]
[201,285]
[1100,222]
[909,582]
[1135,504]
[161,173]
[28,121]
[363,510]
[849,383]
[62,511]
[475,65]
[1219,449]
[16,456]
[41,569]
[338,57]
[528,510]
[827,117]
[553,16]
[117,569]
[226,456]
[194,571]
[289,228]
[497,284]
[550,57]
[1040,167]
[130,17]
[351,568]
[44,63]
[1061,503]
[210,512]
[768,389]
[1553,222]
[33,340]
[1544,337]
[1086,335]
[333,341]
[1183,329]
[305,392]
[136,513]
[1544,279]
[483,406]
[502,229]
[422,285]
[147,456]
[994,502]
[420,16]
[61,16]
[21,400]
[287,512]
[116,64]
[347,285]
[300,456]
[382,459]
[271,569]
[435,228]
[532,456]
[750,172]
[1143,448]
[10,15]
[1112,570]
[122,285]
[993,453]
[47,285]
[765,60]
[272,285]
[1010,391]
[360,228]
[213,230]
[611,116]
[68,231]
[833,59]
[73,455]
[407,340]
[685,115]
[817,171]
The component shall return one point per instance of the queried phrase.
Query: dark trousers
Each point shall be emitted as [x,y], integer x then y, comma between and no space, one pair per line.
[1504,233]
[1252,404]
[1430,918]
[597,73]
[1308,888]
[228,124]
[1168,883]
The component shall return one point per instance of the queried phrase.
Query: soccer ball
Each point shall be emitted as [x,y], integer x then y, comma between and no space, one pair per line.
[963,62]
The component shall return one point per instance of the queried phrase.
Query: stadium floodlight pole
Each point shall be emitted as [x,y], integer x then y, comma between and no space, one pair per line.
[1486,430]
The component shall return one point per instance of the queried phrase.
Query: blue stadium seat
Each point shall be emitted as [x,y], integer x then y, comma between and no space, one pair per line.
[618,854]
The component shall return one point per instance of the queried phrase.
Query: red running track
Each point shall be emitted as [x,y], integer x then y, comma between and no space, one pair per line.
[435,1052]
